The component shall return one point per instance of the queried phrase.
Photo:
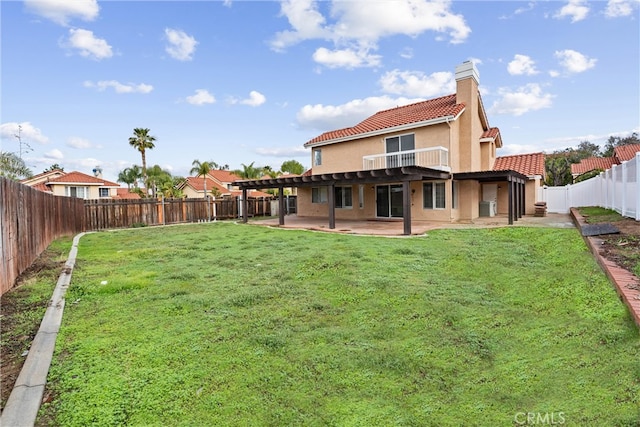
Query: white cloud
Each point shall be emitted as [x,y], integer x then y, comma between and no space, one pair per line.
[617,8]
[54,154]
[525,99]
[255,99]
[574,62]
[577,10]
[328,117]
[181,45]
[88,45]
[201,97]
[79,143]
[61,11]
[416,83]
[119,87]
[522,64]
[345,58]
[356,30]
[28,133]
[295,151]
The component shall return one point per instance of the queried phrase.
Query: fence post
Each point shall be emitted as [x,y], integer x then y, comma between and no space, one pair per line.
[637,181]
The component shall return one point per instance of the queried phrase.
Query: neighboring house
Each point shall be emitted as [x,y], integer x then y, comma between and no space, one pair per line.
[621,154]
[532,166]
[73,184]
[432,160]
[592,164]
[221,180]
[125,193]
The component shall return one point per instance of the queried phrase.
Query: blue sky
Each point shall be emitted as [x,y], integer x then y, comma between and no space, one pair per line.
[251,81]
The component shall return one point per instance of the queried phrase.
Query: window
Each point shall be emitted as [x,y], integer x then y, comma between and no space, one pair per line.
[80,192]
[317,157]
[103,192]
[319,195]
[361,196]
[433,195]
[401,143]
[343,197]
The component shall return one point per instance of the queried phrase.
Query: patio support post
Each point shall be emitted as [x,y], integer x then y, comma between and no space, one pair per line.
[510,197]
[331,198]
[281,205]
[522,199]
[406,206]
[245,206]
[516,199]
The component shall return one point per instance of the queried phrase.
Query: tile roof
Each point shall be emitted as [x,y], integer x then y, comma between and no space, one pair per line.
[197,183]
[526,164]
[224,175]
[82,178]
[124,193]
[490,133]
[626,152]
[592,163]
[399,116]
[42,177]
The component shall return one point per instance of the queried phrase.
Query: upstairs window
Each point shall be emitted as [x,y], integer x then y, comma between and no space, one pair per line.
[103,192]
[79,192]
[398,144]
[317,157]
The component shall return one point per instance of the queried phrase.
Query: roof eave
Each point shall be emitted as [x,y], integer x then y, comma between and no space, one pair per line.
[430,122]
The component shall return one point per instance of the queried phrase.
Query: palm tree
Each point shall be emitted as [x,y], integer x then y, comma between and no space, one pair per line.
[142,141]
[248,171]
[130,176]
[202,169]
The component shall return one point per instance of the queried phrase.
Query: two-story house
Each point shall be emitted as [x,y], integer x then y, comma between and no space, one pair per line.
[432,160]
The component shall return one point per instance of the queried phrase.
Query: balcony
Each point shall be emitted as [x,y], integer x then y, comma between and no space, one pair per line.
[432,158]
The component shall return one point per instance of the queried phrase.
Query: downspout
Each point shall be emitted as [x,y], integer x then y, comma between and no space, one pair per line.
[451,208]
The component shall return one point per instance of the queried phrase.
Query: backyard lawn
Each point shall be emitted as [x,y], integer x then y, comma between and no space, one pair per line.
[228,324]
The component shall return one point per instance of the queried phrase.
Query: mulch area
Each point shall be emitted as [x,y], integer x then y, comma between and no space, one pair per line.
[622,248]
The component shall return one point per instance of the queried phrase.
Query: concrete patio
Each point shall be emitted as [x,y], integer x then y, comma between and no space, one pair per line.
[395,227]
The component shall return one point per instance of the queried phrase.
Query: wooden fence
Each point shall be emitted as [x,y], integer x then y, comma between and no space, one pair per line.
[107,213]
[29,221]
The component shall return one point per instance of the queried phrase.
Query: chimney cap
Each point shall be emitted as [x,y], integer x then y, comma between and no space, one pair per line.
[467,69]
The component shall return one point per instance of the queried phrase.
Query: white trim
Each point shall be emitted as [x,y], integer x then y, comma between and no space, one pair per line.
[386,131]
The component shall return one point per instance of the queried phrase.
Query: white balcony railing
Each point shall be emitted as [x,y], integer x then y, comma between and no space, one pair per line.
[433,158]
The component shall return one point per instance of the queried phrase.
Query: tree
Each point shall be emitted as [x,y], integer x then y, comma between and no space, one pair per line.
[268,170]
[13,167]
[142,142]
[292,166]
[248,171]
[158,178]
[588,149]
[201,169]
[558,170]
[54,167]
[616,141]
[130,176]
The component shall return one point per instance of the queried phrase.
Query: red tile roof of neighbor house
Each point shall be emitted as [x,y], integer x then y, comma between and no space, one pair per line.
[42,186]
[124,193]
[55,172]
[81,178]
[526,164]
[224,175]
[197,183]
[626,152]
[419,112]
[593,163]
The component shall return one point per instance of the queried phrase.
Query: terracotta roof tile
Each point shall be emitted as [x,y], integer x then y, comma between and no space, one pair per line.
[626,152]
[526,164]
[491,133]
[399,116]
[592,163]
[197,183]
[124,193]
[223,175]
[81,178]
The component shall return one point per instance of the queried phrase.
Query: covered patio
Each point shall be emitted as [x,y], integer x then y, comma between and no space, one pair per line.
[404,175]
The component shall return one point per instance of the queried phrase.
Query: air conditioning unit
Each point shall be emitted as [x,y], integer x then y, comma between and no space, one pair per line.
[487,208]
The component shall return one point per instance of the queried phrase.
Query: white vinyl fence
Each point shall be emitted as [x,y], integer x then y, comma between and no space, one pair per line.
[617,188]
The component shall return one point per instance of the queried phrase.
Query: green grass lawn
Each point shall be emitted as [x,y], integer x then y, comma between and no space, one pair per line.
[225,324]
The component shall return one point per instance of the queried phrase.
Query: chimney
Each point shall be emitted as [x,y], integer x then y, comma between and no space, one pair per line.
[467,81]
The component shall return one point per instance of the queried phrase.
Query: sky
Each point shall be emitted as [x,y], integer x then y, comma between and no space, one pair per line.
[240,82]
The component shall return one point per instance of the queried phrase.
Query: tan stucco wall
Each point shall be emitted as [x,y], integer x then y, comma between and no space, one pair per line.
[530,196]
[347,156]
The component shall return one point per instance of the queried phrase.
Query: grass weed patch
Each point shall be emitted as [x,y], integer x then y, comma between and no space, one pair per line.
[225,324]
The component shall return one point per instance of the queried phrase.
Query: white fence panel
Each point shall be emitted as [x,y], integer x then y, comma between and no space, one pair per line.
[617,188]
